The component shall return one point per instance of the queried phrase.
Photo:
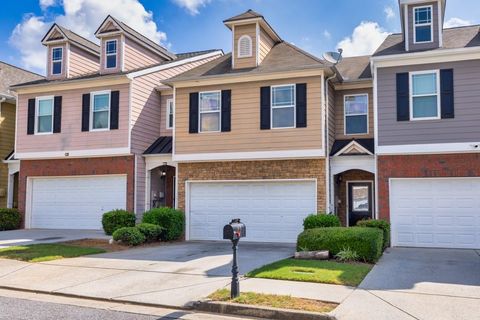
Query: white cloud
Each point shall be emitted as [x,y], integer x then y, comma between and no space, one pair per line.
[327,34]
[44,4]
[82,17]
[192,6]
[365,39]
[389,13]
[456,22]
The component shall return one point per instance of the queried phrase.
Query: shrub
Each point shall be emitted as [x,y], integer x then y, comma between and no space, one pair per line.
[381,224]
[366,242]
[320,221]
[129,235]
[171,220]
[10,219]
[116,219]
[151,232]
[346,255]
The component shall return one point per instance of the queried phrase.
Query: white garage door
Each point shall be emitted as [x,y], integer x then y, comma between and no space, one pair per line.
[443,213]
[272,211]
[75,202]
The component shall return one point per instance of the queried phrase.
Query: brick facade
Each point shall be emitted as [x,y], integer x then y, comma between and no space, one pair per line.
[416,166]
[75,167]
[245,170]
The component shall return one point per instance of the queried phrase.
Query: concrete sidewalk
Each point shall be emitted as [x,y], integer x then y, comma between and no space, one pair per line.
[33,236]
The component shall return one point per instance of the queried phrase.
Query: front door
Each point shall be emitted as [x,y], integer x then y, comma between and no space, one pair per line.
[360,202]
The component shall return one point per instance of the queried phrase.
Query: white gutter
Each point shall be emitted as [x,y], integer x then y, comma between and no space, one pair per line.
[326,142]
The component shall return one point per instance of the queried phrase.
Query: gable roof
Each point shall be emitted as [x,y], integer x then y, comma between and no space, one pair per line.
[453,38]
[342,145]
[249,14]
[152,45]
[72,37]
[11,75]
[252,16]
[355,68]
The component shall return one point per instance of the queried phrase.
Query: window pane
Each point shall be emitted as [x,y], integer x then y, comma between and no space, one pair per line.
[360,198]
[57,54]
[111,47]
[209,101]
[57,67]
[45,107]
[425,107]
[423,15]
[170,120]
[356,124]
[44,124]
[111,61]
[423,34]
[100,120]
[282,96]
[424,83]
[356,104]
[283,117]
[210,121]
[100,102]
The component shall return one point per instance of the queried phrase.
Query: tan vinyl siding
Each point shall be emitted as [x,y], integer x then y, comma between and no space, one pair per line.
[245,132]
[71,136]
[339,113]
[81,62]
[7,134]
[240,30]
[265,44]
[120,53]
[136,56]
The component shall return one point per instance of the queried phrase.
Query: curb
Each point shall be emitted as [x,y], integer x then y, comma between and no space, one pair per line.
[258,312]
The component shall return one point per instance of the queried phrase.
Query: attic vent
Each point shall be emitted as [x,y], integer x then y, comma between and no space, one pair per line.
[244,46]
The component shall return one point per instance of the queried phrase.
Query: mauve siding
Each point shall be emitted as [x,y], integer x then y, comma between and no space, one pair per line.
[72,137]
[82,62]
[136,56]
[411,29]
[463,128]
[340,110]
[50,76]
[104,70]
[163,123]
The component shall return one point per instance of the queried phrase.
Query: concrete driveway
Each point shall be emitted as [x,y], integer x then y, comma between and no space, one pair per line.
[410,283]
[170,274]
[31,236]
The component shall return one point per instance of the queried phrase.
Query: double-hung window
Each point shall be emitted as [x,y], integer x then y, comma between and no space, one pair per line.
[100,116]
[423,27]
[356,114]
[111,54]
[283,106]
[44,115]
[424,95]
[169,113]
[57,59]
[210,106]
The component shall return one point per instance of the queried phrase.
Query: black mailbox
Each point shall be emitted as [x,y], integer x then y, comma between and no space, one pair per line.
[234,230]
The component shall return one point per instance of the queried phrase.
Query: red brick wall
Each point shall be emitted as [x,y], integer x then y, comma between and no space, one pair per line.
[416,166]
[75,167]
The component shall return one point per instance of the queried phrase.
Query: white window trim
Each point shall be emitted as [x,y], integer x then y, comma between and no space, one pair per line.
[92,96]
[111,54]
[250,47]
[357,114]
[170,102]
[52,61]
[272,107]
[219,112]
[415,25]
[37,100]
[410,80]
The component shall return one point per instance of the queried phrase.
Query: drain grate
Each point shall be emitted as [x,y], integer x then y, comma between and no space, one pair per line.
[51,238]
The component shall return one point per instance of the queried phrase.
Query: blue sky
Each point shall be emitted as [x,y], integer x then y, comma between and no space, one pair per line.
[189,25]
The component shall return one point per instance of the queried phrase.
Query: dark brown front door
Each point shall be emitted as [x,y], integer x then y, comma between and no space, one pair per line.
[360,202]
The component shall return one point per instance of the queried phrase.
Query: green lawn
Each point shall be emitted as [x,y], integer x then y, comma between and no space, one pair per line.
[275,301]
[46,252]
[323,271]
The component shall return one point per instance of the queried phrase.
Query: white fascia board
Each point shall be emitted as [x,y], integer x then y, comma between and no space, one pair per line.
[352,143]
[67,154]
[434,148]
[252,155]
[360,162]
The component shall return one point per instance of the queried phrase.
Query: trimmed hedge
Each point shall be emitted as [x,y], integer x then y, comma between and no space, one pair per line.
[129,235]
[381,224]
[320,221]
[151,232]
[171,220]
[366,242]
[10,219]
[116,219]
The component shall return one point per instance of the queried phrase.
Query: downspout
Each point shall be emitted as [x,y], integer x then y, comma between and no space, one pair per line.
[327,145]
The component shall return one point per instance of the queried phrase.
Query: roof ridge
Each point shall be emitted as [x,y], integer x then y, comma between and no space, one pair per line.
[61,27]
[308,54]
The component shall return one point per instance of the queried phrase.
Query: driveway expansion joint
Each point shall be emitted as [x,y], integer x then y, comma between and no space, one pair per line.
[392,305]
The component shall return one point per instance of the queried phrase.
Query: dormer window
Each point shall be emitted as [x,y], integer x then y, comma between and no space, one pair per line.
[244,46]
[111,54]
[57,58]
[423,27]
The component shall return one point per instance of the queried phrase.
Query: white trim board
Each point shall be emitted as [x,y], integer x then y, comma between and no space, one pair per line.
[258,155]
[66,154]
[342,164]
[460,147]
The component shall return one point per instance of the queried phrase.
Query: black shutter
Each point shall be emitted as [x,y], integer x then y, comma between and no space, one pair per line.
[403,98]
[265,108]
[114,109]
[301,104]
[446,89]
[86,112]
[57,114]
[226,110]
[193,118]
[31,117]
